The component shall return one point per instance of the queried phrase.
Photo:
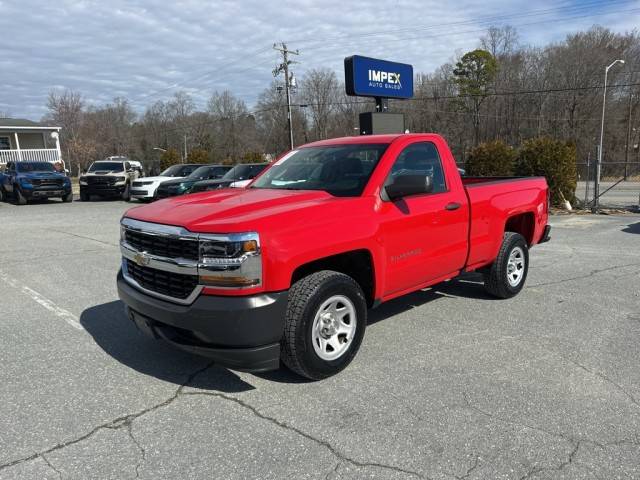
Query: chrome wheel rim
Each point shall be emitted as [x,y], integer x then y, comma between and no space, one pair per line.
[515,266]
[334,327]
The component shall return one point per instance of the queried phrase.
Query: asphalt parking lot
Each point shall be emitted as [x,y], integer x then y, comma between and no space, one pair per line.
[448,383]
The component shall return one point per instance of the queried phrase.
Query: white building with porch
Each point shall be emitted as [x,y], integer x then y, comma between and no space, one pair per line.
[24,140]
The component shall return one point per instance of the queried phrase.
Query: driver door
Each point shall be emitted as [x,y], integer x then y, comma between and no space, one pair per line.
[425,239]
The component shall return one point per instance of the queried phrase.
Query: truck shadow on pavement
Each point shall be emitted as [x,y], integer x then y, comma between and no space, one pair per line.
[468,285]
[119,338]
[632,228]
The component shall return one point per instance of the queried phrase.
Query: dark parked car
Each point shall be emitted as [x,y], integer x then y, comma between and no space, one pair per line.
[24,181]
[180,186]
[238,176]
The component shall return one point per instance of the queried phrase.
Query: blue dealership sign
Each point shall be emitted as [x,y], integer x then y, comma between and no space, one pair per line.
[370,77]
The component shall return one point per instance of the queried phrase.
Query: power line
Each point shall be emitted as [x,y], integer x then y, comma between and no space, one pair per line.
[585,5]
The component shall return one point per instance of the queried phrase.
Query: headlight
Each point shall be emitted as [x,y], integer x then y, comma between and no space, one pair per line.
[25,182]
[182,187]
[232,261]
[83,180]
[120,180]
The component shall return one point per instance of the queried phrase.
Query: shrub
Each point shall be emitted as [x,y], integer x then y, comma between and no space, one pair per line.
[491,159]
[253,157]
[168,158]
[553,159]
[198,156]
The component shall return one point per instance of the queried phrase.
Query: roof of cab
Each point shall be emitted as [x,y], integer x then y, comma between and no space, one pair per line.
[360,139]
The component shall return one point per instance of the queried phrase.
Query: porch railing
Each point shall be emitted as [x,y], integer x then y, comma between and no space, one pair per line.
[30,154]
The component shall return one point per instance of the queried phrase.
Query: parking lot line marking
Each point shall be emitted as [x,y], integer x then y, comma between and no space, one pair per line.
[59,312]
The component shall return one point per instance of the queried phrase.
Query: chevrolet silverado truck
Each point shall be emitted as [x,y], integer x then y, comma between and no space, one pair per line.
[27,180]
[108,178]
[286,269]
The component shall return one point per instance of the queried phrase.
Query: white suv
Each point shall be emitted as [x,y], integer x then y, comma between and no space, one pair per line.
[145,188]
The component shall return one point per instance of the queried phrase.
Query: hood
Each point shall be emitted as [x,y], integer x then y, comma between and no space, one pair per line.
[231,210]
[175,181]
[105,172]
[42,175]
[220,182]
[156,179]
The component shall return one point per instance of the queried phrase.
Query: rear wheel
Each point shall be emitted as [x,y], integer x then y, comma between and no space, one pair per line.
[324,324]
[506,277]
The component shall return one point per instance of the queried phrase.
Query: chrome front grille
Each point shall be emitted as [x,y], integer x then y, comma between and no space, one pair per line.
[162,246]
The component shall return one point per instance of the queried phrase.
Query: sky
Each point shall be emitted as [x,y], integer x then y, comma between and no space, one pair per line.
[146,50]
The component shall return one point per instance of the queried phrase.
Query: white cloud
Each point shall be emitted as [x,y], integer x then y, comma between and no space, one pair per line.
[140,49]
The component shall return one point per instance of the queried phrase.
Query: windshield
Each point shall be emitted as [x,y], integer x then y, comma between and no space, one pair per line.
[341,170]
[24,167]
[107,166]
[242,172]
[178,171]
[207,172]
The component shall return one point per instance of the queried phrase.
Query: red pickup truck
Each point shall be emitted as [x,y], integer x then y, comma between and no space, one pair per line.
[286,269]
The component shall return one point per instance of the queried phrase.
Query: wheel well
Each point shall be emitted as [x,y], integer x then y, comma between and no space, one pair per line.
[358,264]
[524,224]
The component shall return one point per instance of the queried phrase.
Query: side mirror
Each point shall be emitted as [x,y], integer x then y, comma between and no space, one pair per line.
[406,185]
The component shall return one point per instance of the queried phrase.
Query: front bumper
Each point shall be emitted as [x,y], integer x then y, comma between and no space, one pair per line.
[102,190]
[143,192]
[242,333]
[49,192]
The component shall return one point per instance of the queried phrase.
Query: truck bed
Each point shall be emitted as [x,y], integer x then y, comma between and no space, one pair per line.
[492,200]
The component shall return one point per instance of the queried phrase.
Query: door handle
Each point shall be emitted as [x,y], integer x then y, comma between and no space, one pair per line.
[452,206]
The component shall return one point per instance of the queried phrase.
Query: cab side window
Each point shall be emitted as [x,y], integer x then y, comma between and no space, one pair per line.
[420,159]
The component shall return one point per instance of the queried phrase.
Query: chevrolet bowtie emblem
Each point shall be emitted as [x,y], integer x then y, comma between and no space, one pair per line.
[141,259]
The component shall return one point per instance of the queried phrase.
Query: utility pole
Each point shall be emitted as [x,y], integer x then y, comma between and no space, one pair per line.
[626,150]
[284,67]
[184,158]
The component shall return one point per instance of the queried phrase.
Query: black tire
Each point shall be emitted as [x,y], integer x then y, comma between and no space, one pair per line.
[84,197]
[20,199]
[68,198]
[496,277]
[306,296]
[126,194]
[3,195]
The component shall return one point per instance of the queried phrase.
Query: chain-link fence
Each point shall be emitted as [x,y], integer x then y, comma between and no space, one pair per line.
[619,184]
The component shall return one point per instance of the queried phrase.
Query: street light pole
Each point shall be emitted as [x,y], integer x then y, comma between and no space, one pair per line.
[596,189]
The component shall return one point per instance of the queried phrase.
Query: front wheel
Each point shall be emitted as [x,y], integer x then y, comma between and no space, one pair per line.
[324,324]
[2,194]
[126,194]
[20,198]
[68,198]
[506,276]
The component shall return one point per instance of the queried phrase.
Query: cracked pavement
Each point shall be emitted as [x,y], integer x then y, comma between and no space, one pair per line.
[448,384]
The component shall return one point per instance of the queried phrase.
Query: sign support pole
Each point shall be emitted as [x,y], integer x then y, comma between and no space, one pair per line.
[382,104]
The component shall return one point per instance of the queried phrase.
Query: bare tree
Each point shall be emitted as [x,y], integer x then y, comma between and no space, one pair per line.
[318,90]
